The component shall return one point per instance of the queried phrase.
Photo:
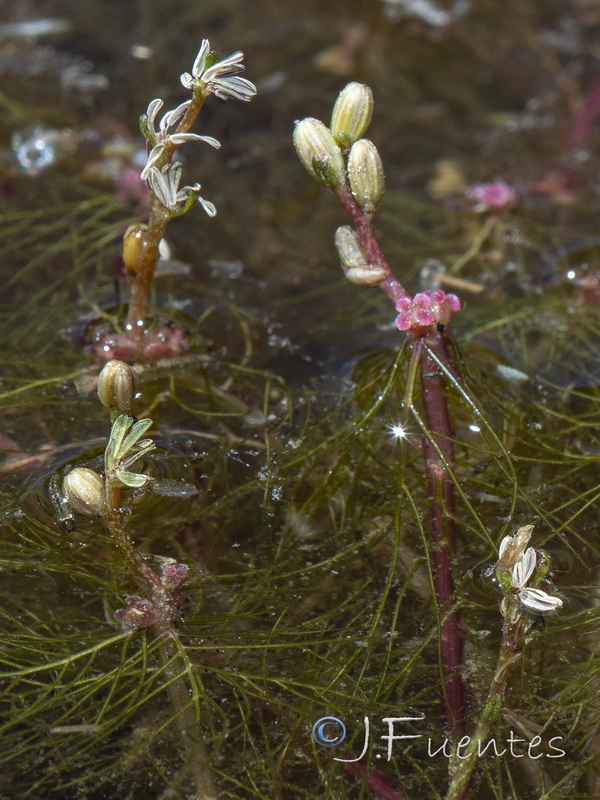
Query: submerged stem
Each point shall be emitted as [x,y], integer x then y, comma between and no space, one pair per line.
[438,451]
[196,761]
[510,652]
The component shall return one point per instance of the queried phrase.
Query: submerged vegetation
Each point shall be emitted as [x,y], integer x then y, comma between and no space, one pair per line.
[313,552]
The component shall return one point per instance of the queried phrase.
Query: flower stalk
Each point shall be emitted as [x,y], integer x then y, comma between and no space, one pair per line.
[352,168]
[162,602]
[210,75]
[518,570]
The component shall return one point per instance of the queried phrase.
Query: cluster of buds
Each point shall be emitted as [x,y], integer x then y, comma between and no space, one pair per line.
[517,566]
[166,606]
[433,307]
[210,75]
[338,156]
[137,615]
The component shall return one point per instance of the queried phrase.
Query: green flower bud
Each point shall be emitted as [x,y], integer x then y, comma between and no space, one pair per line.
[319,152]
[352,113]
[132,243]
[354,261]
[116,386]
[84,490]
[365,172]
[349,248]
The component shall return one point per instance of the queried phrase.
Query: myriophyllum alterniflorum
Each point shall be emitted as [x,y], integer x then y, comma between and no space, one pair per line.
[352,114]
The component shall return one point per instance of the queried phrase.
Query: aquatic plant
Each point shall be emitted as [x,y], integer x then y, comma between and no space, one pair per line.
[352,168]
[210,74]
[303,512]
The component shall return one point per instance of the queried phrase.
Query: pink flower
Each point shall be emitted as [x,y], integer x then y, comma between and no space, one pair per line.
[487,196]
[425,309]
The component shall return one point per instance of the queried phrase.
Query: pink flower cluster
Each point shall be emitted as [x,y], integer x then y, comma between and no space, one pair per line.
[425,309]
[488,196]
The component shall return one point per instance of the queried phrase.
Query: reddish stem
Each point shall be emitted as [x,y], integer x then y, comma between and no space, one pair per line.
[439,454]
[364,227]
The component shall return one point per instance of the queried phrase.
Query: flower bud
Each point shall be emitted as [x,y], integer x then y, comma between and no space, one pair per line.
[132,243]
[349,248]
[173,574]
[319,152]
[365,172]
[369,275]
[352,113]
[116,386]
[354,260]
[84,490]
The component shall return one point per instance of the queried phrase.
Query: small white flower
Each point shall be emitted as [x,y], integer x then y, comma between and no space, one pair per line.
[164,184]
[169,120]
[153,157]
[539,602]
[221,79]
[161,136]
[512,547]
[534,600]
[523,569]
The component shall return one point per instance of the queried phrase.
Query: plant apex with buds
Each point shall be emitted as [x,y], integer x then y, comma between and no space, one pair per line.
[352,114]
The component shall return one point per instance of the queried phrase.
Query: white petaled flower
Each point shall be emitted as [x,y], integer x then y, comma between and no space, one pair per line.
[512,547]
[169,120]
[220,79]
[538,601]
[165,187]
[162,135]
[523,569]
[534,600]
